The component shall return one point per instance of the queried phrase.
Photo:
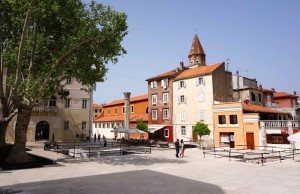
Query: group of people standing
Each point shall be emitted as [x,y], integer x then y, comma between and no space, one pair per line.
[179,147]
[99,137]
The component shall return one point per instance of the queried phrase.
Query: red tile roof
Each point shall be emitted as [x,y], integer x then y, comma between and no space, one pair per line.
[199,71]
[112,118]
[167,74]
[97,106]
[283,94]
[196,47]
[132,99]
[256,108]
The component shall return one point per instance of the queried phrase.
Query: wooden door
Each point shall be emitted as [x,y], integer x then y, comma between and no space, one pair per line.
[250,140]
[195,137]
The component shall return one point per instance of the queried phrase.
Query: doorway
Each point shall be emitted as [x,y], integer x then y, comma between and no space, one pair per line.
[250,140]
[42,131]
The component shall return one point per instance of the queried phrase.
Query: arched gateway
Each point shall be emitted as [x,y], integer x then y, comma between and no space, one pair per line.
[42,131]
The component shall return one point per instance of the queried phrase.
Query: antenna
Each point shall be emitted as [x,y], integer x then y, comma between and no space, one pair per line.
[227,63]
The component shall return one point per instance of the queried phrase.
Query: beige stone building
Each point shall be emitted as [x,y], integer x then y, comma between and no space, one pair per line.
[64,118]
[194,92]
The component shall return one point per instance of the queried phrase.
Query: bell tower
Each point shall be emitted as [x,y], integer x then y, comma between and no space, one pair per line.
[197,55]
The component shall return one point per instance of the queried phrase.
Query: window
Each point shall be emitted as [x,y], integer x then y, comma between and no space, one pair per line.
[116,110]
[153,85]
[154,99]
[200,81]
[165,113]
[108,111]
[132,109]
[166,132]
[252,97]
[83,125]
[96,110]
[96,125]
[154,114]
[201,115]
[233,119]
[66,125]
[52,101]
[183,130]
[164,83]
[96,116]
[165,97]
[222,120]
[259,97]
[182,116]
[69,80]
[84,103]
[224,138]
[201,96]
[67,102]
[123,110]
[181,84]
[181,99]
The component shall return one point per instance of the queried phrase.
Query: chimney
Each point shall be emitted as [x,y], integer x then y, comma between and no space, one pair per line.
[181,66]
[260,87]
[127,109]
[295,92]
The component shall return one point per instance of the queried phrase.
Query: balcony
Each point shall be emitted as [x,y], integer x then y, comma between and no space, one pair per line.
[280,123]
[45,109]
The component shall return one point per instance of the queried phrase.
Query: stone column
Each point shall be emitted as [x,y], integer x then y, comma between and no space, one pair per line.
[127,109]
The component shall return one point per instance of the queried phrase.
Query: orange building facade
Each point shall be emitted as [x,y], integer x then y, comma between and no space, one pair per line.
[113,116]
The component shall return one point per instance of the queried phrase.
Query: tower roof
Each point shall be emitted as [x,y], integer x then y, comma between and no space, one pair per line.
[196,47]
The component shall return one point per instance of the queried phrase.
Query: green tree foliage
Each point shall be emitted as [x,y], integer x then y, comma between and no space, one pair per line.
[140,124]
[45,41]
[201,129]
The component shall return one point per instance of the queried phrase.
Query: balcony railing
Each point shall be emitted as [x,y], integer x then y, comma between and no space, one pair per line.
[45,109]
[280,123]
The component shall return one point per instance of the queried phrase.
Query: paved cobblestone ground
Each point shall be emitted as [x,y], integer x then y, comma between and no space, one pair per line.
[159,172]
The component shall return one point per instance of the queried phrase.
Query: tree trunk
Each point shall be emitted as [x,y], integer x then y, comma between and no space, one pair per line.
[18,153]
[3,129]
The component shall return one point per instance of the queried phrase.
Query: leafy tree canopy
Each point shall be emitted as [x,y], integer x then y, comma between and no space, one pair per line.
[141,125]
[201,129]
[45,41]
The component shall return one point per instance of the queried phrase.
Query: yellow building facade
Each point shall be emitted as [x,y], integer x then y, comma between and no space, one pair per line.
[62,118]
[234,128]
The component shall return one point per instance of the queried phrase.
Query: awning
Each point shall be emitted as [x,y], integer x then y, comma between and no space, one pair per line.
[153,128]
[294,137]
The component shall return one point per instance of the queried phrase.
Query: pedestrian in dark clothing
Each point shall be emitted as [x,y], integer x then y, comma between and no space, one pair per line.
[177,147]
[182,148]
[95,138]
[104,140]
[99,137]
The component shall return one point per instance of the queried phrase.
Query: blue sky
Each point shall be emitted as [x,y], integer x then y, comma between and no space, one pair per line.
[260,37]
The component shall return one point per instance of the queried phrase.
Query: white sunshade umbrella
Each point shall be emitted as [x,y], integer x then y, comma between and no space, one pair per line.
[295,137]
[119,130]
[135,131]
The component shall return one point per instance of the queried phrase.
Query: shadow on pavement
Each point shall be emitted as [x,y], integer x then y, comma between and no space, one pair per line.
[139,160]
[132,182]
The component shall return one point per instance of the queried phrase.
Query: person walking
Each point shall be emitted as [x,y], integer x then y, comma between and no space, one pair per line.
[99,137]
[177,147]
[182,148]
[95,138]
[104,140]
